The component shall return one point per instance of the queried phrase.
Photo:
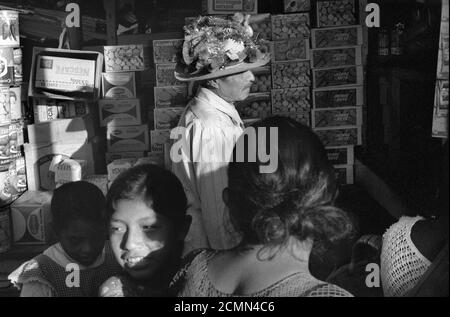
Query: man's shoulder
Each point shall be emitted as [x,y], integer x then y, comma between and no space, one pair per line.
[202,116]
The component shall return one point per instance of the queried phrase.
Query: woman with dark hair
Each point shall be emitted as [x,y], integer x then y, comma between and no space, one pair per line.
[282,216]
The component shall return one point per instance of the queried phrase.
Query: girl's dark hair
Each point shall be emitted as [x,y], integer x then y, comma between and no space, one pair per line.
[77,201]
[158,188]
[294,201]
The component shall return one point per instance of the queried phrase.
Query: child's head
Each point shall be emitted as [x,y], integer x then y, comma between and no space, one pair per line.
[78,218]
[296,201]
[147,207]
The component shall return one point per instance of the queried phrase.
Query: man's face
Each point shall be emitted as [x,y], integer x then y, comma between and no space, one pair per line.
[235,87]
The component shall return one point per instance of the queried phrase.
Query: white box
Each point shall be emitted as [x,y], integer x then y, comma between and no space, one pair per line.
[230,6]
[167,118]
[117,167]
[128,139]
[119,85]
[158,139]
[120,112]
[172,96]
[30,216]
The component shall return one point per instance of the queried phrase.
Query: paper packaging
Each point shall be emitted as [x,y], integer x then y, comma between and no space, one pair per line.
[119,85]
[336,57]
[263,80]
[345,174]
[169,97]
[62,130]
[288,26]
[291,100]
[165,75]
[256,106]
[338,97]
[337,117]
[31,218]
[291,50]
[110,157]
[230,6]
[65,74]
[101,181]
[167,118]
[291,6]
[333,137]
[39,158]
[337,36]
[50,109]
[69,171]
[9,146]
[335,77]
[13,181]
[335,13]
[167,51]
[15,102]
[291,74]
[5,107]
[6,66]
[18,69]
[9,26]
[128,139]
[158,139]
[344,155]
[117,167]
[16,132]
[126,58]
[121,112]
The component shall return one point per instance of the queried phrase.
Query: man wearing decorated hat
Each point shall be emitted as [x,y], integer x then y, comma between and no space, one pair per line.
[218,55]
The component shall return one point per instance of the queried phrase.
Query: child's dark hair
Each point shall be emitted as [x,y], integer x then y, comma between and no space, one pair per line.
[77,201]
[155,186]
[294,201]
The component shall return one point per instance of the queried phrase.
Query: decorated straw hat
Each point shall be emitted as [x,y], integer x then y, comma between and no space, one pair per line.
[216,47]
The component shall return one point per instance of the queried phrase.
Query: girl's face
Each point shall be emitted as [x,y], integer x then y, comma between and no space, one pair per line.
[142,240]
[83,241]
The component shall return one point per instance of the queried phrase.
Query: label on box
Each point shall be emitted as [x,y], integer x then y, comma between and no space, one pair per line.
[288,26]
[341,155]
[119,85]
[126,58]
[230,6]
[342,117]
[6,66]
[128,139]
[256,106]
[338,97]
[120,112]
[5,107]
[167,51]
[30,218]
[341,76]
[16,133]
[167,118]
[336,57]
[337,36]
[291,50]
[345,174]
[65,74]
[291,6]
[117,167]
[9,146]
[165,75]
[291,100]
[291,74]
[158,139]
[340,136]
[169,97]
[110,157]
[336,13]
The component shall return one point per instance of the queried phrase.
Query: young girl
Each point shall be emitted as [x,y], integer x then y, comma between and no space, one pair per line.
[148,223]
[81,260]
[283,216]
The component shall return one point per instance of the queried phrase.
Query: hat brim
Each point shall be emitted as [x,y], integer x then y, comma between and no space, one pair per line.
[227,71]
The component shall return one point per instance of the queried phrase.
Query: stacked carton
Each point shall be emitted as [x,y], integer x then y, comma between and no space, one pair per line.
[121,112]
[170,95]
[336,58]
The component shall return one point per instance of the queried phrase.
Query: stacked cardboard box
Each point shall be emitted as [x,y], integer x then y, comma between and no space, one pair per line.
[337,59]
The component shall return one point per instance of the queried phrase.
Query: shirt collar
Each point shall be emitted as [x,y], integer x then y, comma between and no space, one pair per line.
[57,254]
[220,104]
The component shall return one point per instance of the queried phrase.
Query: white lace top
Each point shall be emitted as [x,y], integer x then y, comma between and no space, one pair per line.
[302,284]
[402,264]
